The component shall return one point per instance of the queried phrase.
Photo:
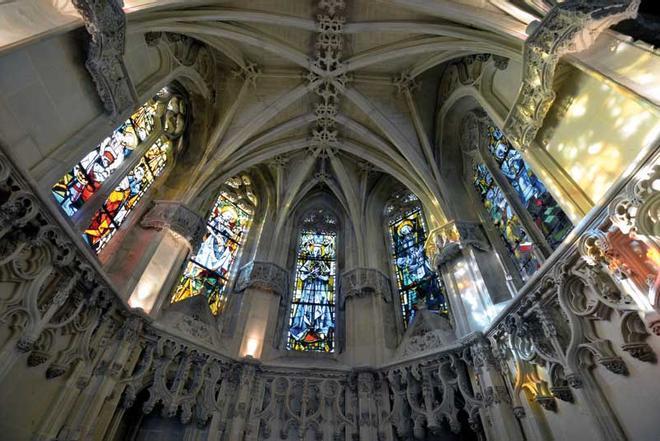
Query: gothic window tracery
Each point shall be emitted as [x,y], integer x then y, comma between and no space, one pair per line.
[312,314]
[208,271]
[416,280]
[143,133]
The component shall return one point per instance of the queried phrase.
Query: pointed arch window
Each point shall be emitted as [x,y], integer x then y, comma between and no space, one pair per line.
[144,135]
[416,281]
[312,318]
[208,271]
[531,196]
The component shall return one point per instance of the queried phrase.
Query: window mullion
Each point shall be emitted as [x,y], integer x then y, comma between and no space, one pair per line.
[544,250]
[83,217]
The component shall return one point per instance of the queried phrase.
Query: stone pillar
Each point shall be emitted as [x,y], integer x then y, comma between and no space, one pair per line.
[263,285]
[472,276]
[366,301]
[169,231]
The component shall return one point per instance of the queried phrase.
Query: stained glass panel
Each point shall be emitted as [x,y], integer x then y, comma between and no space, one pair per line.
[207,272]
[86,177]
[312,320]
[506,221]
[546,213]
[126,195]
[416,280]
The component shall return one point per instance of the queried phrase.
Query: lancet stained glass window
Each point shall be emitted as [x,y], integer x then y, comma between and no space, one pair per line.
[548,216]
[415,278]
[86,177]
[506,221]
[207,272]
[126,195]
[312,321]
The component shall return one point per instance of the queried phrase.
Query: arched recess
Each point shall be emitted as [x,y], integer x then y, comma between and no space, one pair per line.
[317,211]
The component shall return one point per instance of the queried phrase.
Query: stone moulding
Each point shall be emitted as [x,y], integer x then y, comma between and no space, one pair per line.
[365,281]
[178,218]
[569,27]
[263,275]
[105,22]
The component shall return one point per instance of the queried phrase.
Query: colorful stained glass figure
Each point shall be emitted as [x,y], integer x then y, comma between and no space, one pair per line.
[126,195]
[506,221]
[207,272]
[545,211]
[416,280]
[312,320]
[86,177]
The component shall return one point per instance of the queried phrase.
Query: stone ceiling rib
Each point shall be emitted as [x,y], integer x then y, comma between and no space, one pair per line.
[220,15]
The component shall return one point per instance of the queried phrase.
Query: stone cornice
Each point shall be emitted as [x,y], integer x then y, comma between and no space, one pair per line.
[569,27]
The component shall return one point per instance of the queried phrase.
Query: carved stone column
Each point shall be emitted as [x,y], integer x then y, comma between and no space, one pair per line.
[471,274]
[569,27]
[367,409]
[496,397]
[366,301]
[263,285]
[147,268]
[106,24]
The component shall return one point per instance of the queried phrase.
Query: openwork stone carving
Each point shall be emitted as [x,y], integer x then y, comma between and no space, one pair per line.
[263,275]
[569,27]
[178,218]
[365,281]
[106,24]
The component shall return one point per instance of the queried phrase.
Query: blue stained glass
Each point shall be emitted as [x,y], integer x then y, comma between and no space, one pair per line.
[415,278]
[207,272]
[312,322]
[544,210]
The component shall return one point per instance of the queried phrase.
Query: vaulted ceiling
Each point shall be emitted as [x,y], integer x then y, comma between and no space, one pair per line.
[335,92]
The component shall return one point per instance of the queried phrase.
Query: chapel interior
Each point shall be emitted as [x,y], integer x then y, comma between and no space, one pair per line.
[329,220]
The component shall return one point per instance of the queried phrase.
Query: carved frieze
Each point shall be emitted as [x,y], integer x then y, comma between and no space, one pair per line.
[106,24]
[178,218]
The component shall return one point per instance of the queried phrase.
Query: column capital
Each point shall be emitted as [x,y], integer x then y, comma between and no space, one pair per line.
[263,275]
[365,281]
[445,243]
[177,217]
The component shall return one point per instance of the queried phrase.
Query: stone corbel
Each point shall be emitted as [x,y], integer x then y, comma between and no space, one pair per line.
[263,275]
[178,218]
[445,243]
[106,24]
[365,281]
[569,27]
